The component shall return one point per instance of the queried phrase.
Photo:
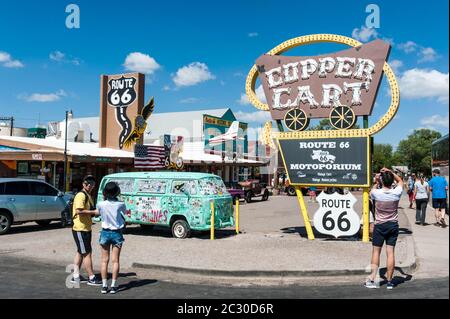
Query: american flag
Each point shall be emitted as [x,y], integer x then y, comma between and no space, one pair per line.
[149,156]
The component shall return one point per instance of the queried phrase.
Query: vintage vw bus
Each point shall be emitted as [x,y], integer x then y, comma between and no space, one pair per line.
[179,200]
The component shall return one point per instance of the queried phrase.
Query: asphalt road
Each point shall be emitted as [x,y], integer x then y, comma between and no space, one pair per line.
[29,279]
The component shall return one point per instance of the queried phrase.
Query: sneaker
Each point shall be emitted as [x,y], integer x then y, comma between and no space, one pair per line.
[113,290]
[104,290]
[79,280]
[390,285]
[94,282]
[370,284]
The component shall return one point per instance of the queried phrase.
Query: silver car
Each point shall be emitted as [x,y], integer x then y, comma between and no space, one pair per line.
[26,200]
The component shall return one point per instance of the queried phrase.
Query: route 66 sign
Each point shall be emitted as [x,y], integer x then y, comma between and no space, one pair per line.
[122,92]
[336,216]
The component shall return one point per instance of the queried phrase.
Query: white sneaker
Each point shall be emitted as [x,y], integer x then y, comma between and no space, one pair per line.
[370,284]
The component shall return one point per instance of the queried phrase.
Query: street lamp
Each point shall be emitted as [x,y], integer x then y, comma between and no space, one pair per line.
[65,151]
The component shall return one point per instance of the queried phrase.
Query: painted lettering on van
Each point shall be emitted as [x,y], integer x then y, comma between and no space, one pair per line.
[154,216]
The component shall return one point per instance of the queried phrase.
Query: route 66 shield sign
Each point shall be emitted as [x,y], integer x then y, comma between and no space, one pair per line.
[336,216]
[122,91]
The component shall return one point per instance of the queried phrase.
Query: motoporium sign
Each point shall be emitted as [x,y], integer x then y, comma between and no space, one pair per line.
[339,86]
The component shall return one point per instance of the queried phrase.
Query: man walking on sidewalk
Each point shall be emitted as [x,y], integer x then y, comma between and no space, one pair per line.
[439,188]
[386,223]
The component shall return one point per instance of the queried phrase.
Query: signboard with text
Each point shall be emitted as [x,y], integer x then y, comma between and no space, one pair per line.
[327,161]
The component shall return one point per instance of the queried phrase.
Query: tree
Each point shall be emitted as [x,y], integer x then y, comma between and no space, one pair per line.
[415,151]
[382,156]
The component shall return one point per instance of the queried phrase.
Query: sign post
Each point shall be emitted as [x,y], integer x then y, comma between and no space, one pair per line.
[304,212]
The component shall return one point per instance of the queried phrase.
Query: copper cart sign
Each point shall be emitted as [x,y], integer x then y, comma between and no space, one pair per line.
[339,86]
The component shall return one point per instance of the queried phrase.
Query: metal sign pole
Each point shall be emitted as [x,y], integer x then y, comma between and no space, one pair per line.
[366,220]
[305,216]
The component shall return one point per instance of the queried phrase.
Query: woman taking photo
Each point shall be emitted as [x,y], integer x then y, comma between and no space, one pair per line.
[112,212]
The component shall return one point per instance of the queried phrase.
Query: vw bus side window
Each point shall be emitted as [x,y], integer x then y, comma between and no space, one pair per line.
[184,187]
[153,186]
[212,186]
[125,184]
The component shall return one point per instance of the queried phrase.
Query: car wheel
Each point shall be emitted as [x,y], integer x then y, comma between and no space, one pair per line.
[43,222]
[236,198]
[5,222]
[181,229]
[265,195]
[291,191]
[248,197]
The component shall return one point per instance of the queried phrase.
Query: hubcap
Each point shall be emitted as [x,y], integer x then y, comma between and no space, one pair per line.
[3,222]
[179,230]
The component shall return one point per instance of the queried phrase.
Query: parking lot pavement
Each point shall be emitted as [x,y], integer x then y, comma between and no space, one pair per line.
[273,239]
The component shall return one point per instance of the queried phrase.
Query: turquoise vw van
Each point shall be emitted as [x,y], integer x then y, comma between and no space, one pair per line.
[179,200]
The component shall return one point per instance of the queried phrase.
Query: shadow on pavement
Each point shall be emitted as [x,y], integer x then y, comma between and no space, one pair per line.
[28,228]
[397,280]
[301,231]
[137,283]
[404,231]
[166,232]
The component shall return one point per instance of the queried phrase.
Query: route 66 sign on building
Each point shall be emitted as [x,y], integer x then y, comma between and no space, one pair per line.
[336,216]
[122,100]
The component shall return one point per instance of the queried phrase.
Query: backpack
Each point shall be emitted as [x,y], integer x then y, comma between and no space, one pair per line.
[66,215]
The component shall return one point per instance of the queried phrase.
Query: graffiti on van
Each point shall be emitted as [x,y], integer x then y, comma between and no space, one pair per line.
[148,209]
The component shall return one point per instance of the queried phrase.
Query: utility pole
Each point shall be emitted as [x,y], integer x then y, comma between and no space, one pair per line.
[11,125]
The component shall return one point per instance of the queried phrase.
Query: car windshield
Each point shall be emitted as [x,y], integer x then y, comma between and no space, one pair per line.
[212,186]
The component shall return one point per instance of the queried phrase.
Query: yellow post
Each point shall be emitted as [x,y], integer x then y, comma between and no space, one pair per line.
[237,215]
[304,212]
[366,220]
[212,220]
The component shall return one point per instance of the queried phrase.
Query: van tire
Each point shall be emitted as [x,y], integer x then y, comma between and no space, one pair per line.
[265,195]
[181,229]
[236,198]
[5,221]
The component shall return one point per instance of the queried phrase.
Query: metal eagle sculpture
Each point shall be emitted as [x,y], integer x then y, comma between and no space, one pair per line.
[140,124]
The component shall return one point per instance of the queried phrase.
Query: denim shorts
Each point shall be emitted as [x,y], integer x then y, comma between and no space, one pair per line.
[111,237]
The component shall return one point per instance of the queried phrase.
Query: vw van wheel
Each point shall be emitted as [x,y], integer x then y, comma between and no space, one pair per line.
[181,229]
[5,223]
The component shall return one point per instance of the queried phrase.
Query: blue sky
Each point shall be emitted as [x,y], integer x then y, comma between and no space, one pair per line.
[197,54]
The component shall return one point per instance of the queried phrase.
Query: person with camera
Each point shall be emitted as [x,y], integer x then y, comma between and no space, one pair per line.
[386,223]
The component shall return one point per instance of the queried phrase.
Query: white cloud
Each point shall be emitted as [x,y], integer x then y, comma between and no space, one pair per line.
[140,62]
[427,55]
[8,62]
[435,121]
[43,98]
[364,34]
[259,94]
[192,74]
[424,83]
[190,100]
[257,116]
[238,74]
[408,46]
[396,65]
[58,56]
[253,34]
[166,88]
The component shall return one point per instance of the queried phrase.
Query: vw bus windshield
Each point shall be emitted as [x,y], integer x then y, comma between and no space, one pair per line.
[212,186]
